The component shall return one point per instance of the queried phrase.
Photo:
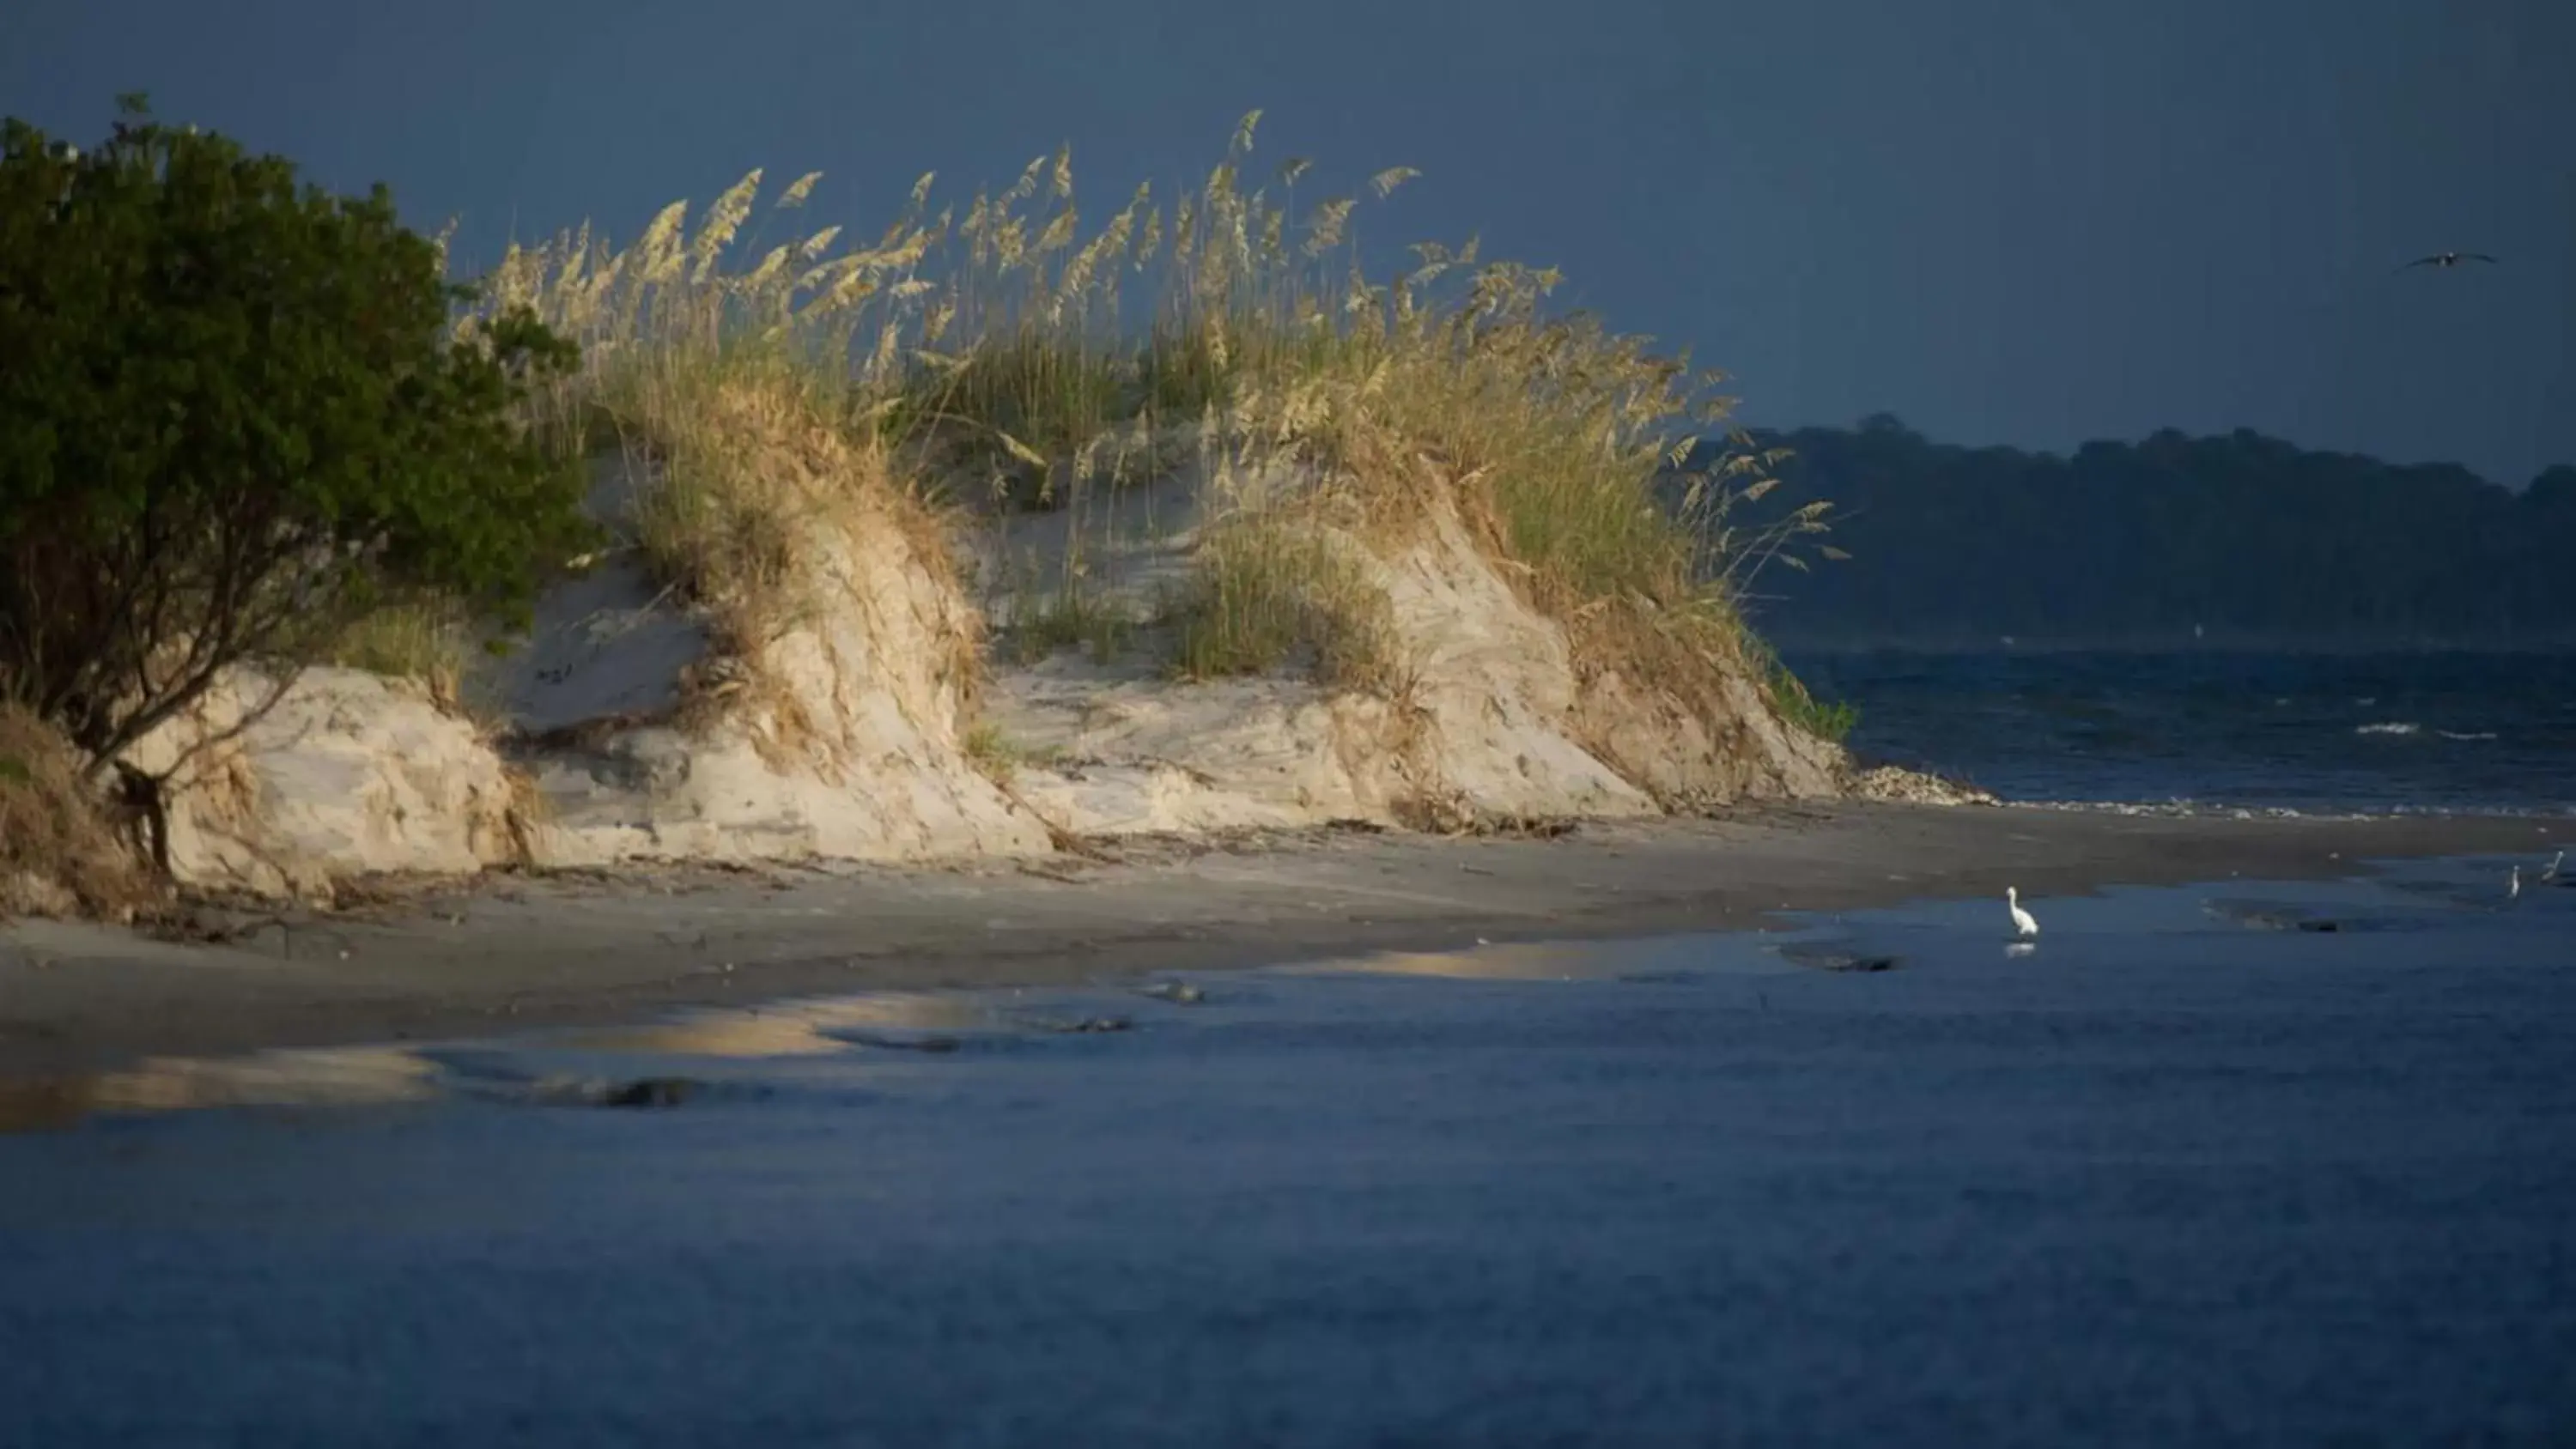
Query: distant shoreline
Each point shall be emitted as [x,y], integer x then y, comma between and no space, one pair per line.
[2160,647]
[510,954]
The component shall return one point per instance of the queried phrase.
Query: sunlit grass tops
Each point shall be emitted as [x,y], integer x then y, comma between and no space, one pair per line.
[1011,351]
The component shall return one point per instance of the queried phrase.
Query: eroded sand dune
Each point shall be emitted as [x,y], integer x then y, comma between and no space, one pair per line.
[877,721]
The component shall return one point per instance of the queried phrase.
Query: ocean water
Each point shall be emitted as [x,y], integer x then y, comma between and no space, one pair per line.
[2314,732]
[2230,1164]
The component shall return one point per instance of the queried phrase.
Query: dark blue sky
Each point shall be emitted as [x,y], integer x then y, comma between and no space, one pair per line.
[2021,221]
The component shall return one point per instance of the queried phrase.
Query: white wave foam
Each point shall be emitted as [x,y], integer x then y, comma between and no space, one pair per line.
[2479,735]
[2390,727]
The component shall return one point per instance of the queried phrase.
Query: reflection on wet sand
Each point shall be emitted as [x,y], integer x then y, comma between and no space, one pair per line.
[339,1077]
[795,1028]
[1519,961]
[790,1029]
[375,1076]
[527,1069]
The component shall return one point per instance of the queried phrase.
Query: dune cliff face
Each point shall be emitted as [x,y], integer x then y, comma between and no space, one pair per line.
[867,726]
[1497,721]
[347,774]
[838,737]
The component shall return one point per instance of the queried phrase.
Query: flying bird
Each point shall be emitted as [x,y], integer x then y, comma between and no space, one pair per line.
[2448,259]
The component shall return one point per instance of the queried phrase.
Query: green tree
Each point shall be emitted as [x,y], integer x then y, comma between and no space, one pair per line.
[235,413]
[2146,542]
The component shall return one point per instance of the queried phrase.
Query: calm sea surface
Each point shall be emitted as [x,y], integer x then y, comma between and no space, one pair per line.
[2378,732]
[2227,1164]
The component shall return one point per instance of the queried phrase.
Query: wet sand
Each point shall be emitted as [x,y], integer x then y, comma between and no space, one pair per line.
[513,953]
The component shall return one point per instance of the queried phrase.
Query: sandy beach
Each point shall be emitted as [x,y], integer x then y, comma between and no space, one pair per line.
[509,954]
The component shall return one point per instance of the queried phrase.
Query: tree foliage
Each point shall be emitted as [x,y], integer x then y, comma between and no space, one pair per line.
[235,412]
[2244,536]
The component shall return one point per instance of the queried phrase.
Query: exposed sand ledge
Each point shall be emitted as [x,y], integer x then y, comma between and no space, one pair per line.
[507,953]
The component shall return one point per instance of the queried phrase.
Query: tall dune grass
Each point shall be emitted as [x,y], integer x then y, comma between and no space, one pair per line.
[1007,352]
[426,639]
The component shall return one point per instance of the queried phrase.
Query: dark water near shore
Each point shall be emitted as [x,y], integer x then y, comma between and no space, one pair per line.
[2312,732]
[2194,1170]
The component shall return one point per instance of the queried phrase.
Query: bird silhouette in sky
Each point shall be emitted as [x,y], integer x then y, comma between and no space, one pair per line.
[2448,259]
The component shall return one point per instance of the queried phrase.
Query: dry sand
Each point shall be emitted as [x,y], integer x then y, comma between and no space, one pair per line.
[511,953]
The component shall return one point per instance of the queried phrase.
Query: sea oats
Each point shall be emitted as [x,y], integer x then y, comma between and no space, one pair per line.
[935,326]
[660,244]
[1324,225]
[513,283]
[921,191]
[771,267]
[844,293]
[1077,271]
[832,273]
[723,220]
[1027,186]
[907,252]
[1546,431]
[817,244]
[1149,239]
[1359,289]
[796,192]
[605,276]
[1020,450]
[568,286]
[1112,242]
[882,361]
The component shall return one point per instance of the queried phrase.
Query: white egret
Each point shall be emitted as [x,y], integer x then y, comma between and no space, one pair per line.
[2513,884]
[2024,924]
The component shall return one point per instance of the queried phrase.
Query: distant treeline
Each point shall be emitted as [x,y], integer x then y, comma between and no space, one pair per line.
[2247,537]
